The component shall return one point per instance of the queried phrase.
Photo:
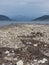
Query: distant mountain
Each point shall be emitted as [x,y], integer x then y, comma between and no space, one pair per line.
[22,18]
[42,18]
[4,18]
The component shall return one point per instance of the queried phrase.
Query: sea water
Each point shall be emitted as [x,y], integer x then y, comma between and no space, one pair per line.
[2,23]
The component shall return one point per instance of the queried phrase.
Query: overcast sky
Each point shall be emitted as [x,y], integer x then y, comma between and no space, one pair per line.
[24,7]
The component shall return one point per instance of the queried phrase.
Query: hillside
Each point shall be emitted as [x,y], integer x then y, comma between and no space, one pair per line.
[42,18]
[4,18]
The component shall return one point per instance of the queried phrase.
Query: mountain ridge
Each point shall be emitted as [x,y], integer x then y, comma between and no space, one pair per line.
[42,18]
[4,18]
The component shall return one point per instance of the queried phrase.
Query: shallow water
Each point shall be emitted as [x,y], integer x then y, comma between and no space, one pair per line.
[13,22]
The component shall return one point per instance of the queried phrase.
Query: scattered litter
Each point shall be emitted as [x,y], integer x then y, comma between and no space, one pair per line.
[45,45]
[42,61]
[15,59]
[20,62]
[7,52]
[3,64]
[35,45]
[35,60]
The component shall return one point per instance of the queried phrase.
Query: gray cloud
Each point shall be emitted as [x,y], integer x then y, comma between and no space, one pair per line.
[24,7]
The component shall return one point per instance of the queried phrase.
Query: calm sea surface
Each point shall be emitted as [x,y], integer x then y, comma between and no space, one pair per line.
[2,23]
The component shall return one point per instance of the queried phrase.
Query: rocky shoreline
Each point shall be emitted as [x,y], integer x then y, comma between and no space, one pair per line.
[24,44]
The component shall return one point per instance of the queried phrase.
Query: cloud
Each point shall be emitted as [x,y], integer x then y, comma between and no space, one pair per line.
[26,7]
